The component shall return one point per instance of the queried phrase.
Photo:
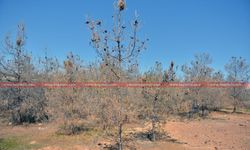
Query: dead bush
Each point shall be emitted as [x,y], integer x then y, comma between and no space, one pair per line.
[72,128]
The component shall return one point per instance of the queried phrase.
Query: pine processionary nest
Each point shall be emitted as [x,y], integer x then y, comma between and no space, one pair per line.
[121,5]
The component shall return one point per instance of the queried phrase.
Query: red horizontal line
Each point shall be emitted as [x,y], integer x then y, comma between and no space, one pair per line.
[124,84]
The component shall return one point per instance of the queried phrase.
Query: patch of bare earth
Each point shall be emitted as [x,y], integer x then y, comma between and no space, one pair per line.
[77,147]
[220,131]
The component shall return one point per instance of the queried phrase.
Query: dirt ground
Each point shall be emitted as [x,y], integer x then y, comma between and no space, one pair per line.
[221,131]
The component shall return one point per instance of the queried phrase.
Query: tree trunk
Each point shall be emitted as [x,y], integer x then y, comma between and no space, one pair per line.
[234,109]
[154,119]
[120,137]
[153,131]
[235,103]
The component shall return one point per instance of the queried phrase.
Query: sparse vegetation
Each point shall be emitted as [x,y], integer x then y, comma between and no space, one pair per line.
[16,143]
[7,144]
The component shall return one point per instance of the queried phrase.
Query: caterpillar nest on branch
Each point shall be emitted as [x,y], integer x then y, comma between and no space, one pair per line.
[121,5]
[68,64]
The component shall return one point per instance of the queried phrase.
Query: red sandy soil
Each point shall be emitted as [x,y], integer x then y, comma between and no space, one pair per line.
[220,131]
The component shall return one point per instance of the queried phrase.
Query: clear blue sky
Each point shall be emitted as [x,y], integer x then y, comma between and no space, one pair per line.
[177,29]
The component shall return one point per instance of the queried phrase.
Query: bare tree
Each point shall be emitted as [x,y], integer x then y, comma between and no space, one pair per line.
[217,97]
[199,71]
[48,71]
[153,98]
[49,66]
[238,71]
[25,105]
[157,103]
[118,49]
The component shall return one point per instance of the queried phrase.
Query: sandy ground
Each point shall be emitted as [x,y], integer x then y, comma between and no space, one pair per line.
[218,132]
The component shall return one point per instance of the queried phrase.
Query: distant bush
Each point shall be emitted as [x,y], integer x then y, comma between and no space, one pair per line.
[29,107]
[72,128]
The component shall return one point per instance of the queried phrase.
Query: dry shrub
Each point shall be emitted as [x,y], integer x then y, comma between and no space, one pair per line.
[73,128]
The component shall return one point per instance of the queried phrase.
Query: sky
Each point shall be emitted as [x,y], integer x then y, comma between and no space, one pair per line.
[177,29]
